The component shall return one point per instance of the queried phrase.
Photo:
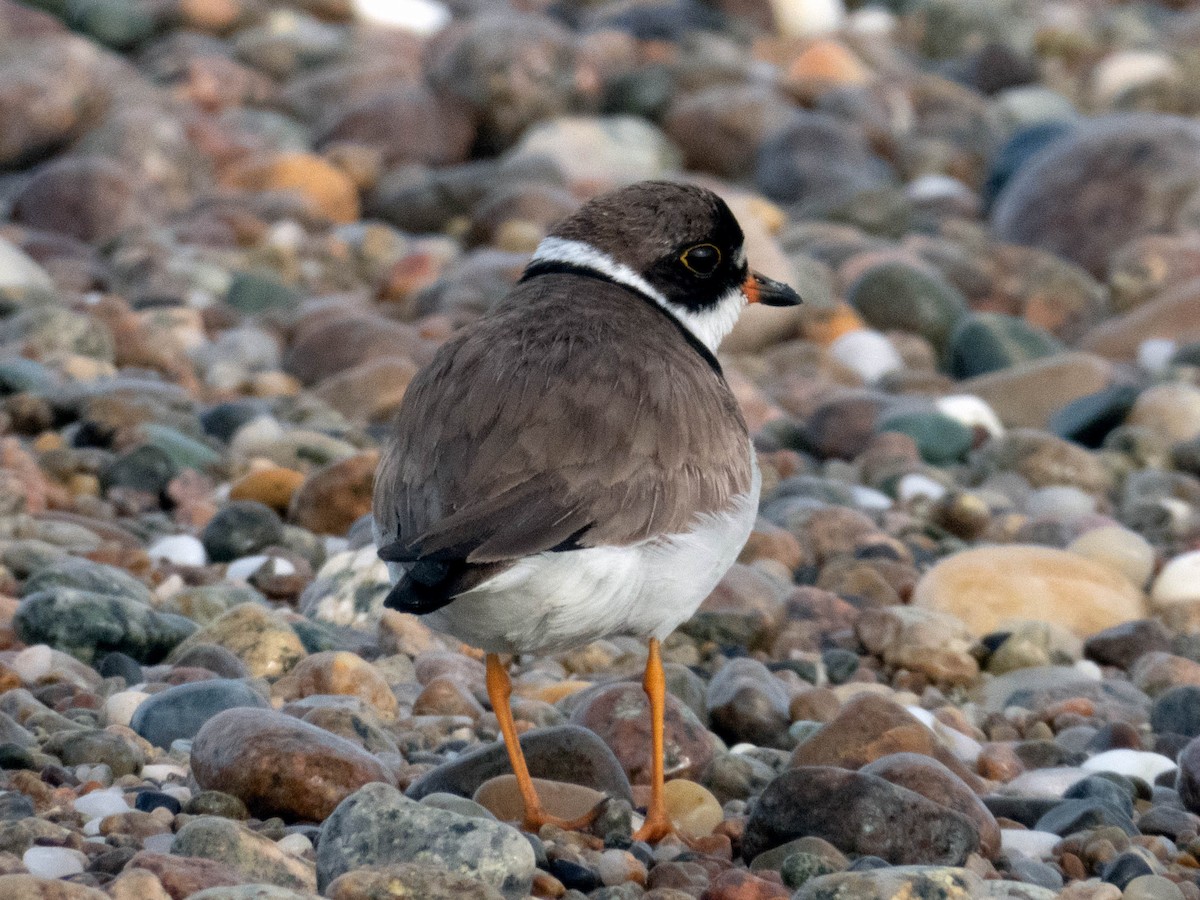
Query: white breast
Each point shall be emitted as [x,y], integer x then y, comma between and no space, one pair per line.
[555,601]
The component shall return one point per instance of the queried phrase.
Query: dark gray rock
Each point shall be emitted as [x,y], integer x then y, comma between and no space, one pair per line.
[861,814]
[84,575]
[180,711]
[1177,711]
[241,528]
[89,625]
[1076,815]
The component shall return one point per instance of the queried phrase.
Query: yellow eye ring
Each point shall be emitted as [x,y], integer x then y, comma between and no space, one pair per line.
[701,259]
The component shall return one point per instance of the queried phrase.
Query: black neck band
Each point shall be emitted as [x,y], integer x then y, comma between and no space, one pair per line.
[554,267]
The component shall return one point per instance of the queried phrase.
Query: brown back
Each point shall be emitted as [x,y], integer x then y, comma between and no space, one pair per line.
[575,413]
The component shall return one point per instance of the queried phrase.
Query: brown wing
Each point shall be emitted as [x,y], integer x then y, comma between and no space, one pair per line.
[498,455]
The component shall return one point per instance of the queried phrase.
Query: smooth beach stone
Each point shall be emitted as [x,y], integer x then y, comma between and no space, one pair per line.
[337,672]
[256,857]
[944,882]
[1090,419]
[564,753]
[745,702]
[897,296]
[143,468]
[279,765]
[95,747]
[378,825]
[990,586]
[426,880]
[858,813]
[334,497]
[501,797]
[180,711]
[241,528]
[1172,410]
[1168,320]
[1178,582]
[1123,154]
[867,727]
[256,635]
[988,342]
[1122,549]
[612,148]
[619,715]
[89,625]
[940,439]
[348,589]
[1158,671]
[932,780]
[85,575]
[1070,816]
[920,640]
[1177,711]
[184,452]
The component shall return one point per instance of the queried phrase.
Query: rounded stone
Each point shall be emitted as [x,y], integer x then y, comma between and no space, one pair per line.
[241,528]
[180,711]
[991,586]
[280,766]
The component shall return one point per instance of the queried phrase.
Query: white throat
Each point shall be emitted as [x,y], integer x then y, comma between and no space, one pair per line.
[709,327]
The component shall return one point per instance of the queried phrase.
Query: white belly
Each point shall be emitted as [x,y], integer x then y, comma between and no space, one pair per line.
[555,601]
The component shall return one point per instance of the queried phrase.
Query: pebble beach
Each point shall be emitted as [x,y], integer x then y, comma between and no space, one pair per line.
[959,656]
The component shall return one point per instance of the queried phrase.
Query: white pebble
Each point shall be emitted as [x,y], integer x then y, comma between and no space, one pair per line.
[32,663]
[1121,72]
[972,411]
[242,569]
[120,707]
[91,828]
[1052,782]
[162,771]
[871,499]
[1060,502]
[808,18]
[424,17]
[1088,669]
[1154,355]
[914,485]
[295,844]
[867,353]
[53,862]
[1179,581]
[158,843]
[1136,763]
[1034,844]
[871,22]
[101,804]
[179,550]
[1119,548]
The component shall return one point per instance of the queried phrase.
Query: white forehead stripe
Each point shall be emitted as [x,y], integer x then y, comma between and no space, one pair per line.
[577,253]
[709,326]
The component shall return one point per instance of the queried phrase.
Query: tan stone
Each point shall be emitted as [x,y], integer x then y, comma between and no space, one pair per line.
[990,586]
[337,672]
[1028,394]
[1173,315]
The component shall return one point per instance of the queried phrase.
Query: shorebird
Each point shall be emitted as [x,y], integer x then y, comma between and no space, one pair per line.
[573,466]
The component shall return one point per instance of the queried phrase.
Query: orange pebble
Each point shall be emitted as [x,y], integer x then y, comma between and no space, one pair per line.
[273,486]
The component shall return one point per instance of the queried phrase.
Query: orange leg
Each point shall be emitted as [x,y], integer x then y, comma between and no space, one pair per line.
[499,688]
[658,823]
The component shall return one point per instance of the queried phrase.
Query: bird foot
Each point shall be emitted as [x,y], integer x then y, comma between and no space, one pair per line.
[655,828]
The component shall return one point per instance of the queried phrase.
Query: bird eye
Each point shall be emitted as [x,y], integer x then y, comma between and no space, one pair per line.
[702,259]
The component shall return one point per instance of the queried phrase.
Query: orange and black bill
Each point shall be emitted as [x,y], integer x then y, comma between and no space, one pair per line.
[768,291]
